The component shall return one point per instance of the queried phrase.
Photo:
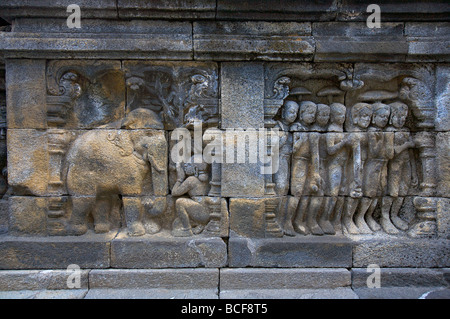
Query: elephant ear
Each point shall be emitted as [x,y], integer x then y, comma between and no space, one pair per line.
[122,140]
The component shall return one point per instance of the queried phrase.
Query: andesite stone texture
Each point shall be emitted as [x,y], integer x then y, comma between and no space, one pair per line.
[140,142]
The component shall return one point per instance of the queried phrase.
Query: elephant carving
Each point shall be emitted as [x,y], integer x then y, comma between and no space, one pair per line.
[103,163]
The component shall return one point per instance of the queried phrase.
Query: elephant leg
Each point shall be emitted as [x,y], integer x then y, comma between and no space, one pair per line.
[101,214]
[81,206]
[133,211]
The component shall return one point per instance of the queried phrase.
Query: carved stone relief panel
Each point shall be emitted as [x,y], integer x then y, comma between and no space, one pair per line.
[355,146]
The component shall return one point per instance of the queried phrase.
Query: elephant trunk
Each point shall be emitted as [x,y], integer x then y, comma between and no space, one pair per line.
[152,162]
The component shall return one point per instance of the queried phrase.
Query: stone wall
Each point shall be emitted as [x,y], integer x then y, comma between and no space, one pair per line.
[357,169]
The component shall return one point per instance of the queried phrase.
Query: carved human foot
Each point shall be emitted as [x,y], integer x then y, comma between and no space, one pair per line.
[350,226]
[374,226]
[198,229]
[136,229]
[327,227]
[101,228]
[76,230]
[288,230]
[387,226]
[301,228]
[316,230]
[152,227]
[399,223]
[362,225]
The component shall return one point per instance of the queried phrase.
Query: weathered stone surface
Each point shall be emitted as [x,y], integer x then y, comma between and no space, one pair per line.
[84,93]
[253,41]
[4,216]
[334,293]
[168,39]
[353,10]
[400,277]
[443,163]
[247,217]
[306,278]
[28,177]
[399,293]
[242,90]
[160,252]
[242,107]
[152,294]
[44,294]
[182,279]
[26,93]
[356,42]
[27,215]
[443,218]
[15,280]
[443,98]
[184,9]
[286,10]
[48,8]
[427,41]
[55,252]
[402,253]
[290,252]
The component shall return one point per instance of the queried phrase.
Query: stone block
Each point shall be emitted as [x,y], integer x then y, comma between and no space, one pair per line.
[287,252]
[356,10]
[4,216]
[442,120]
[44,294]
[398,292]
[26,94]
[15,280]
[400,277]
[443,163]
[242,90]
[253,41]
[293,10]
[419,253]
[300,278]
[195,278]
[443,217]
[48,8]
[334,293]
[355,29]
[361,48]
[101,39]
[204,9]
[91,251]
[255,217]
[167,252]
[27,215]
[30,176]
[152,294]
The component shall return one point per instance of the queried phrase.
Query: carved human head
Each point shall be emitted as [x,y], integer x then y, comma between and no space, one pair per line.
[290,111]
[399,112]
[323,114]
[308,110]
[337,113]
[362,114]
[381,114]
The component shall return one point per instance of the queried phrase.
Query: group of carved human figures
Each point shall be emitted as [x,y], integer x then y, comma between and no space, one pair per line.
[335,179]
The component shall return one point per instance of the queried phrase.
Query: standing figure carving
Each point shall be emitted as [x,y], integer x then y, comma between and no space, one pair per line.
[361,114]
[337,147]
[401,170]
[305,178]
